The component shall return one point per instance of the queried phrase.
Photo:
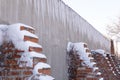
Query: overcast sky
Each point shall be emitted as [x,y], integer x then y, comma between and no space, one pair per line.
[98,13]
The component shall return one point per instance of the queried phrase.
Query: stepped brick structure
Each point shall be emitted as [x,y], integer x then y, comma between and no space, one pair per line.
[20,64]
[104,67]
[108,66]
[78,69]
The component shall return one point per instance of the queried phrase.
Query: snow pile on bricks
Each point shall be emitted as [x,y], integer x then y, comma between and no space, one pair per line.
[81,50]
[107,64]
[91,65]
[81,63]
[29,55]
[100,51]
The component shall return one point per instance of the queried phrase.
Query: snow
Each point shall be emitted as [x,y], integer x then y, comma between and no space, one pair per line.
[13,32]
[35,54]
[110,65]
[101,79]
[118,72]
[1,37]
[99,73]
[26,33]
[92,64]
[25,45]
[69,46]
[17,37]
[40,77]
[20,24]
[95,68]
[3,29]
[114,73]
[40,65]
[29,43]
[91,57]
[45,77]
[111,68]
[26,58]
[100,51]
[108,62]
[106,57]
[81,50]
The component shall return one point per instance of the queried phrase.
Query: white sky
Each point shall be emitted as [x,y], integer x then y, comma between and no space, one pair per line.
[98,13]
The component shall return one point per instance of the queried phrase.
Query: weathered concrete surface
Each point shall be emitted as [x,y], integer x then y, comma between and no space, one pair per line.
[56,24]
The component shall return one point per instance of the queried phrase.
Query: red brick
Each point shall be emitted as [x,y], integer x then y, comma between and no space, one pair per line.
[17,56]
[27,29]
[27,72]
[36,60]
[19,51]
[18,78]
[85,45]
[32,39]
[14,73]
[11,62]
[45,71]
[36,49]
[91,78]
[87,51]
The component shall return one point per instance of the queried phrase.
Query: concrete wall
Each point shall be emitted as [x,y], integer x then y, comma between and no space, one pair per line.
[56,24]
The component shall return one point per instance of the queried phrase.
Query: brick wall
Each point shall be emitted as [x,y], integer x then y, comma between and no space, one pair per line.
[106,67]
[76,69]
[10,68]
